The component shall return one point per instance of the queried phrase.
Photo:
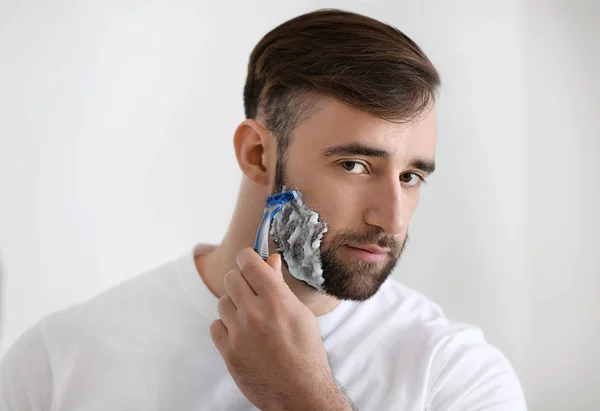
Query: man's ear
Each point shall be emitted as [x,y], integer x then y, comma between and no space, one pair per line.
[255,151]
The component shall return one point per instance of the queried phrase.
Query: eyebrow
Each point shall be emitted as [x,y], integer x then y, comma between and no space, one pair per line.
[358,149]
[426,166]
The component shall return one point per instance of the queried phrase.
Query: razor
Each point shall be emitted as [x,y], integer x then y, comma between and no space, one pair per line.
[274,205]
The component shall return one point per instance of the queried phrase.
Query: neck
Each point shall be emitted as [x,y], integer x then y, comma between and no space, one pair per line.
[248,213]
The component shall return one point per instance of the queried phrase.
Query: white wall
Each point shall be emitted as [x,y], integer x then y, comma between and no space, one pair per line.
[116,120]
[563,226]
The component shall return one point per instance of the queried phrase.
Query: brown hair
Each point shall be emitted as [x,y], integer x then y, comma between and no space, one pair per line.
[355,59]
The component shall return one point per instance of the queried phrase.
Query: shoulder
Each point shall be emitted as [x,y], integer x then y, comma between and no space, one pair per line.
[108,311]
[464,370]
[26,374]
[45,352]
[468,372]
[117,303]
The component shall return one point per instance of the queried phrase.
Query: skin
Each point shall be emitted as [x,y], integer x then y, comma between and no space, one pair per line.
[261,305]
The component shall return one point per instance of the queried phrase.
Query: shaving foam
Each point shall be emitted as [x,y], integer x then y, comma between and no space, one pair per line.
[297,233]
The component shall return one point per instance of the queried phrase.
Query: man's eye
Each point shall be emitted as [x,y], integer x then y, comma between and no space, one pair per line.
[354,167]
[411,179]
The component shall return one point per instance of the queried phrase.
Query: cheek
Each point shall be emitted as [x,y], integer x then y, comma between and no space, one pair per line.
[408,208]
[301,173]
[337,204]
[410,204]
[335,198]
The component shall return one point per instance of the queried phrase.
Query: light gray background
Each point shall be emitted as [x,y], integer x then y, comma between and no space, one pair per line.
[116,124]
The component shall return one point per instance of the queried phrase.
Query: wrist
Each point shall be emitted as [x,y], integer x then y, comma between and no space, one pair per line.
[329,398]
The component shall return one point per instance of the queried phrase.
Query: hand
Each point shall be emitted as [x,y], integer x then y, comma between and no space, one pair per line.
[270,341]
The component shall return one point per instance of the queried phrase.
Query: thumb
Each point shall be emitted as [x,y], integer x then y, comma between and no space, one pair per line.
[274,262]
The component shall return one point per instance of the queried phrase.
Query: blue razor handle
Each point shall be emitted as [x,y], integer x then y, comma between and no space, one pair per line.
[274,205]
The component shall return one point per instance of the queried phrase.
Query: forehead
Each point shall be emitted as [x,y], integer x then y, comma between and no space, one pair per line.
[336,123]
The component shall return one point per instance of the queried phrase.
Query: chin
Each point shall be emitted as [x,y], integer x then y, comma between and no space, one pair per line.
[354,289]
[353,279]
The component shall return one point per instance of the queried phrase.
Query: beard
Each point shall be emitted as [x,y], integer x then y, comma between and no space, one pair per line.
[349,278]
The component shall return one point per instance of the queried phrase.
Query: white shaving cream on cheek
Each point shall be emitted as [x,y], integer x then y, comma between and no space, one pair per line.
[297,232]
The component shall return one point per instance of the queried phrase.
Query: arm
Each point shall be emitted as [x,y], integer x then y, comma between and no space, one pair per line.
[469,374]
[25,375]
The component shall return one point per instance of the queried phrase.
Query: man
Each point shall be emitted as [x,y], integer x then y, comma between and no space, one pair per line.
[341,108]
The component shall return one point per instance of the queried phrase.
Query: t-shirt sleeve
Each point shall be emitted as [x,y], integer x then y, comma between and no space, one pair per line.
[469,374]
[25,374]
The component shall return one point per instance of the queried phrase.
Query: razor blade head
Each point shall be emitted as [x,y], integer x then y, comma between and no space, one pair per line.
[282,198]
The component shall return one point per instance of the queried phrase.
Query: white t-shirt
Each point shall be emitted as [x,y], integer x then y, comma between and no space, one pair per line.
[145,345]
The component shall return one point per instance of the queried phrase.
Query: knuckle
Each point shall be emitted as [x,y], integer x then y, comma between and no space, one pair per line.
[224,302]
[214,326]
[251,266]
[231,278]
[216,330]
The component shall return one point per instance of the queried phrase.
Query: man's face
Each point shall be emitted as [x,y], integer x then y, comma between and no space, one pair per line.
[363,176]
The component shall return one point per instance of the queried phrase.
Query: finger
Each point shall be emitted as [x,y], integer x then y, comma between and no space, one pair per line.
[220,337]
[258,273]
[274,261]
[238,288]
[227,311]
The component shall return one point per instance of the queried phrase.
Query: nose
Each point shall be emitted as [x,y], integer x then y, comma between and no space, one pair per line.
[385,209]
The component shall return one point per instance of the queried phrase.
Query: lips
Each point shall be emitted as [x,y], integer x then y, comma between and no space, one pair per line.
[369,253]
[371,248]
